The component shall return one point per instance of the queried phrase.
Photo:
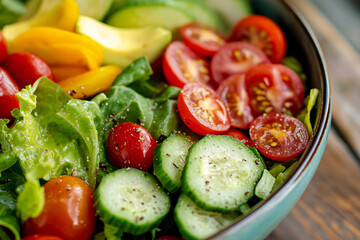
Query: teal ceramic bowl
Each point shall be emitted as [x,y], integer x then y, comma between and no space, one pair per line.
[303,45]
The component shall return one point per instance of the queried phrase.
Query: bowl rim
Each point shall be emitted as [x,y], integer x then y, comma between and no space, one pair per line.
[319,134]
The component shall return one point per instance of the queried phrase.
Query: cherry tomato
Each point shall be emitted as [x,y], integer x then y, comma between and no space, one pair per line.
[8,89]
[202,109]
[203,40]
[274,88]
[169,238]
[26,68]
[263,33]
[233,92]
[237,134]
[130,145]
[181,65]
[68,212]
[235,58]
[279,136]
[3,48]
[41,237]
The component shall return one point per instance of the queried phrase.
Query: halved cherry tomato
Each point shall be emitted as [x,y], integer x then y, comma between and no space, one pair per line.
[3,48]
[235,58]
[169,238]
[41,237]
[181,65]
[237,134]
[233,92]
[8,89]
[279,136]
[263,33]
[68,212]
[26,68]
[202,109]
[204,40]
[274,88]
[130,145]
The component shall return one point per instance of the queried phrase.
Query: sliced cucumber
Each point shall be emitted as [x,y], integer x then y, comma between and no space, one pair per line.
[277,169]
[131,200]
[221,173]
[264,186]
[230,11]
[161,13]
[170,159]
[196,223]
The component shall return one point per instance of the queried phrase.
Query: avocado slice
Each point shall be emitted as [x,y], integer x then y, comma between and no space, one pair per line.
[123,45]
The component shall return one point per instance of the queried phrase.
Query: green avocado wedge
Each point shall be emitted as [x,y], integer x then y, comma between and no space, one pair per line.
[121,46]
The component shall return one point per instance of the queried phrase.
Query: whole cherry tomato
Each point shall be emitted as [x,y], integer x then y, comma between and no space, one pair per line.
[237,134]
[263,33]
[8,89]
[68,212]
[202,110]
[26,68]
[130,145]
[233,92]
[181,65]
[235,58]
[203,40]
[41,237]
[274,88]
[3,48]
[279,136]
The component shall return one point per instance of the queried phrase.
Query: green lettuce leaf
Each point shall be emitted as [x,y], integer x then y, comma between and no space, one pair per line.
[304,116]
[10,10]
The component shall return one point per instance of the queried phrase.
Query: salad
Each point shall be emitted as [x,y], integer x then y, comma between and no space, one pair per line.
[143,119]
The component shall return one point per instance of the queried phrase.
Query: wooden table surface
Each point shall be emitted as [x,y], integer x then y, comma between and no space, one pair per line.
[330,206]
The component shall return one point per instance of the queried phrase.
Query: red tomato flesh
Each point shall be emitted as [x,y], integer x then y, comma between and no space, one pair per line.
[8,89]
[235,58]
[237,134]
[26,68]
[68,212]
[169,238]
[263,33]
[181,65]
[202,110]
[274,88]
[203,40]
[279,136]
[233,92]
[130,145]
[3,48]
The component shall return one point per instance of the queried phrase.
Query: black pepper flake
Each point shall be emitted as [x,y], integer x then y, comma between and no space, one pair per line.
[207,182]
[175,165]
[168,155]
[247,192]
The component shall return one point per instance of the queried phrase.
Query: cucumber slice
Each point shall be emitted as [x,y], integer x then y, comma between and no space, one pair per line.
[277,169]
[221,173]
[196,223]
[140,13]
[170,159]
[230,11]
[265,185]
[132,200]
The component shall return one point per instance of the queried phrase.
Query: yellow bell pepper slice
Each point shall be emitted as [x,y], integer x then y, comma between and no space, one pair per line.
[59,47]
[64,16]
[61,72]
[90,83]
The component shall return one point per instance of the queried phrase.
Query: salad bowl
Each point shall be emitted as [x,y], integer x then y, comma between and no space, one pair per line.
[302,44]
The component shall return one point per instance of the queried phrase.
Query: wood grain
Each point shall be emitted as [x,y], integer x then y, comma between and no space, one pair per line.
[330,207]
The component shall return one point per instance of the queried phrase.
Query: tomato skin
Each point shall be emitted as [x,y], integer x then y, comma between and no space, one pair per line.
[202,110]
[8,89]
[3,48]
[235,58]
[233,92]
[203,40]
[181,65]
[279,136]
[41,237]
[68,212]
[26,68]
[237,134]
[169,238]
[274,88]
[130,145]
[263,33]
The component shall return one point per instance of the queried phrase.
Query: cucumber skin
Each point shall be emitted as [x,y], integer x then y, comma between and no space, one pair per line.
[122,223]
[186,189]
